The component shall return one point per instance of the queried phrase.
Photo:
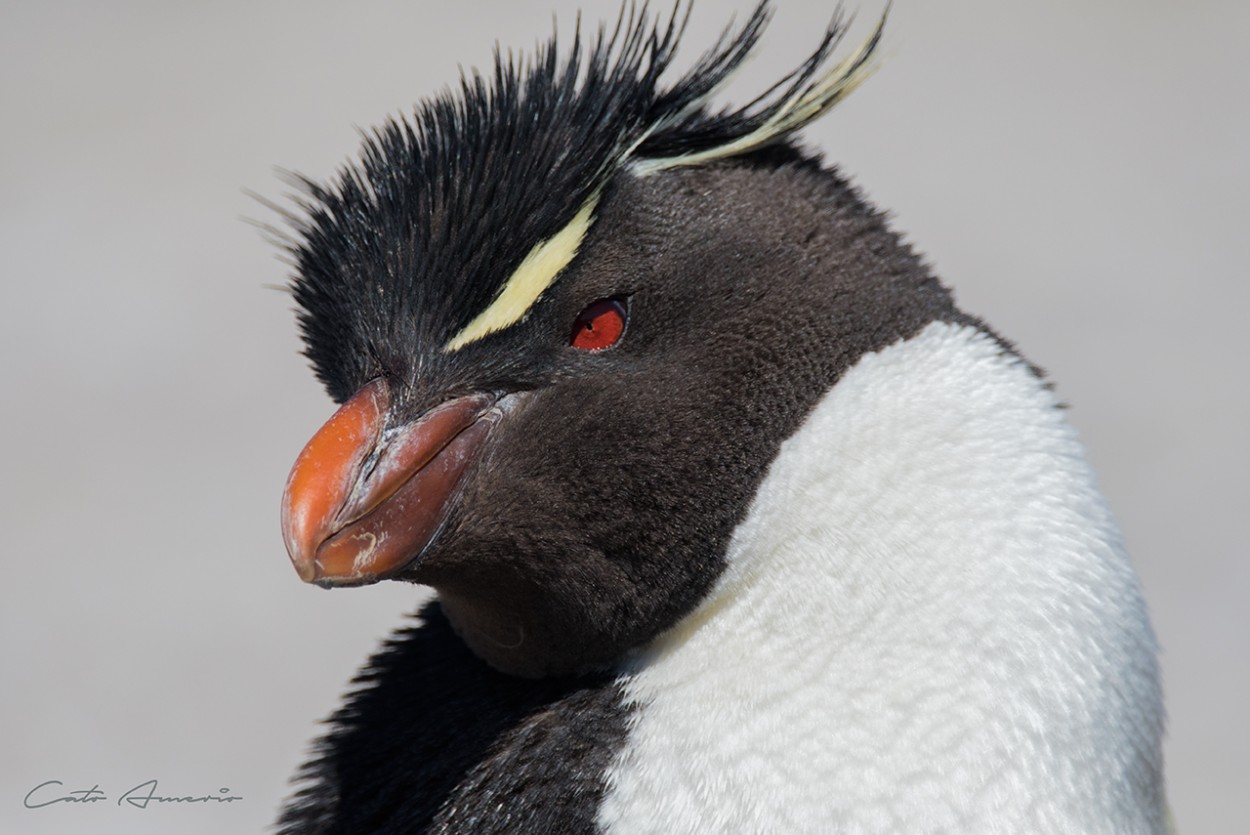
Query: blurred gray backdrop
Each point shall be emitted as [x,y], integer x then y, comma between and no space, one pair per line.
[1077,170]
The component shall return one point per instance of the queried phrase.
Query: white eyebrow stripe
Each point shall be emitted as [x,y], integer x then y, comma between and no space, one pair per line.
[530,280]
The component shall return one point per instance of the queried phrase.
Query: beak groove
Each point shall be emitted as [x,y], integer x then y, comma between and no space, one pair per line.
[364,500]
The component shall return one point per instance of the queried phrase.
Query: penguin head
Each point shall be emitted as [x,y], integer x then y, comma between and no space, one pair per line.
[571,315]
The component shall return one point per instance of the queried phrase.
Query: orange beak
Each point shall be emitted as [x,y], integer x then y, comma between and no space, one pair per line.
[364,500]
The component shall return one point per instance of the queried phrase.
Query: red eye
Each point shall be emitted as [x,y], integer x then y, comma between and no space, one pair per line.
[599,326]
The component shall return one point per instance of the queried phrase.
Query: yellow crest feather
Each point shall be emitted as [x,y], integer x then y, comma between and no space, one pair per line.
[803,107]
[530,280]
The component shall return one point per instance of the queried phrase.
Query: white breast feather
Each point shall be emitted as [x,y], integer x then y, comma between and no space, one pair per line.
[927,624]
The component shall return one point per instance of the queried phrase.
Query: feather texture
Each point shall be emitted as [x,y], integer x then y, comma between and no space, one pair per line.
[418,238]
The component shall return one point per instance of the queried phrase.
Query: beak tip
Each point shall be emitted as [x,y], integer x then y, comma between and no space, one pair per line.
[303,559]
[307,570]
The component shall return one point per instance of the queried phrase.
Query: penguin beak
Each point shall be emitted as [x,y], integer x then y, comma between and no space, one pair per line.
[364,500]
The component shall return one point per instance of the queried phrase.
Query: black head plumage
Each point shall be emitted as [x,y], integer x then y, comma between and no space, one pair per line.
[602,487]
[406,245]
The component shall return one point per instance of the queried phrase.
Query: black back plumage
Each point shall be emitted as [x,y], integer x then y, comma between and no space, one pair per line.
[467,749]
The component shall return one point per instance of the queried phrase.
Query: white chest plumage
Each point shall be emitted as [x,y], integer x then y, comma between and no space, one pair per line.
[927,624]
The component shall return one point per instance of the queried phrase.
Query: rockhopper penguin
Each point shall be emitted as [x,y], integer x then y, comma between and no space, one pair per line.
[736,522]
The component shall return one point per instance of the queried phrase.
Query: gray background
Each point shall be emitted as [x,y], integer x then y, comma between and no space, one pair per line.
[1078,171]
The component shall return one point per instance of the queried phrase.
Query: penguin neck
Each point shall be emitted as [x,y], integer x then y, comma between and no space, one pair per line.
[927,610]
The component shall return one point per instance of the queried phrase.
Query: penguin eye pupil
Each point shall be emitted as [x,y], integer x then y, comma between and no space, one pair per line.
[599,326]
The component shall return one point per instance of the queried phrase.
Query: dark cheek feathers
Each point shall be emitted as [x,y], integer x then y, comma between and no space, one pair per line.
[601,511]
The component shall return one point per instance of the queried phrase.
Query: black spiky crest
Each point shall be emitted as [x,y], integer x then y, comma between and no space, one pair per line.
[420,234]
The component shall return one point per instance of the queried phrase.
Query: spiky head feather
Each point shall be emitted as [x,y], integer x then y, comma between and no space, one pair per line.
[415,244]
